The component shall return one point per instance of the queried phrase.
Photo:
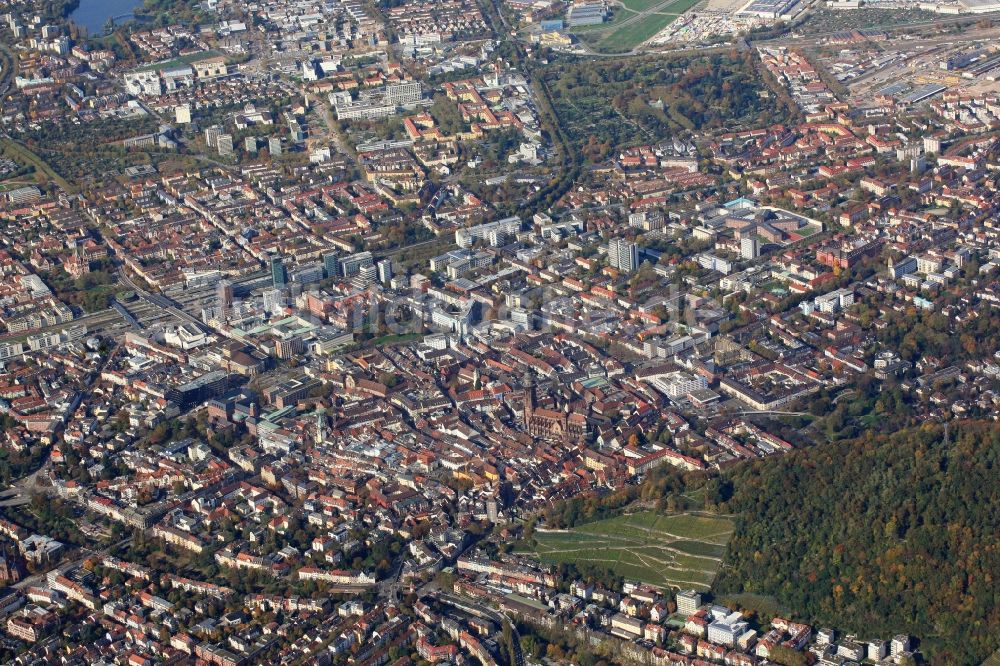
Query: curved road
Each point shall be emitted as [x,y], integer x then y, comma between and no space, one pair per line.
[162,302]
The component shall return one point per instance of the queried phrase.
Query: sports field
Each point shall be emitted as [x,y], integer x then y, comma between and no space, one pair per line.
[683,550]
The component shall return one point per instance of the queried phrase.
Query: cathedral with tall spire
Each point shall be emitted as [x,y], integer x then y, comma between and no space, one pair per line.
[566,425]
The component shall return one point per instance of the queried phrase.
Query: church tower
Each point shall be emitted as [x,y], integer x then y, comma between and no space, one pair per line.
[529,400]
[320,424]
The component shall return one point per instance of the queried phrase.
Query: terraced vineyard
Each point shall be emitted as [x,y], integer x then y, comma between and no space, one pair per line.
[682,551]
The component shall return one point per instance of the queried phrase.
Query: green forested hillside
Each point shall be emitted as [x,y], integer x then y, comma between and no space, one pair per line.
[879,535]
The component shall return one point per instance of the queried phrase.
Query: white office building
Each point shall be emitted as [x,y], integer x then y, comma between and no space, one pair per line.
[726,629]
[835,301]
[688,602]
[623,255]
[467,236]
[678,384]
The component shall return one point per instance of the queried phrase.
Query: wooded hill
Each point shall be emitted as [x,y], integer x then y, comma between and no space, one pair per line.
[879,535]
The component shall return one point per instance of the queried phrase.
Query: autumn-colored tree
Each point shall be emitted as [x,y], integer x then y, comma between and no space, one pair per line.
[780,654]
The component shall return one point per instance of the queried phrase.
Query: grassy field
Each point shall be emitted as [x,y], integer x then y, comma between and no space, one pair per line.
[22,155]
[764,605]
[626,37]
[682,550]
[595,32]
[13,184]
[630,36]
[639,5]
